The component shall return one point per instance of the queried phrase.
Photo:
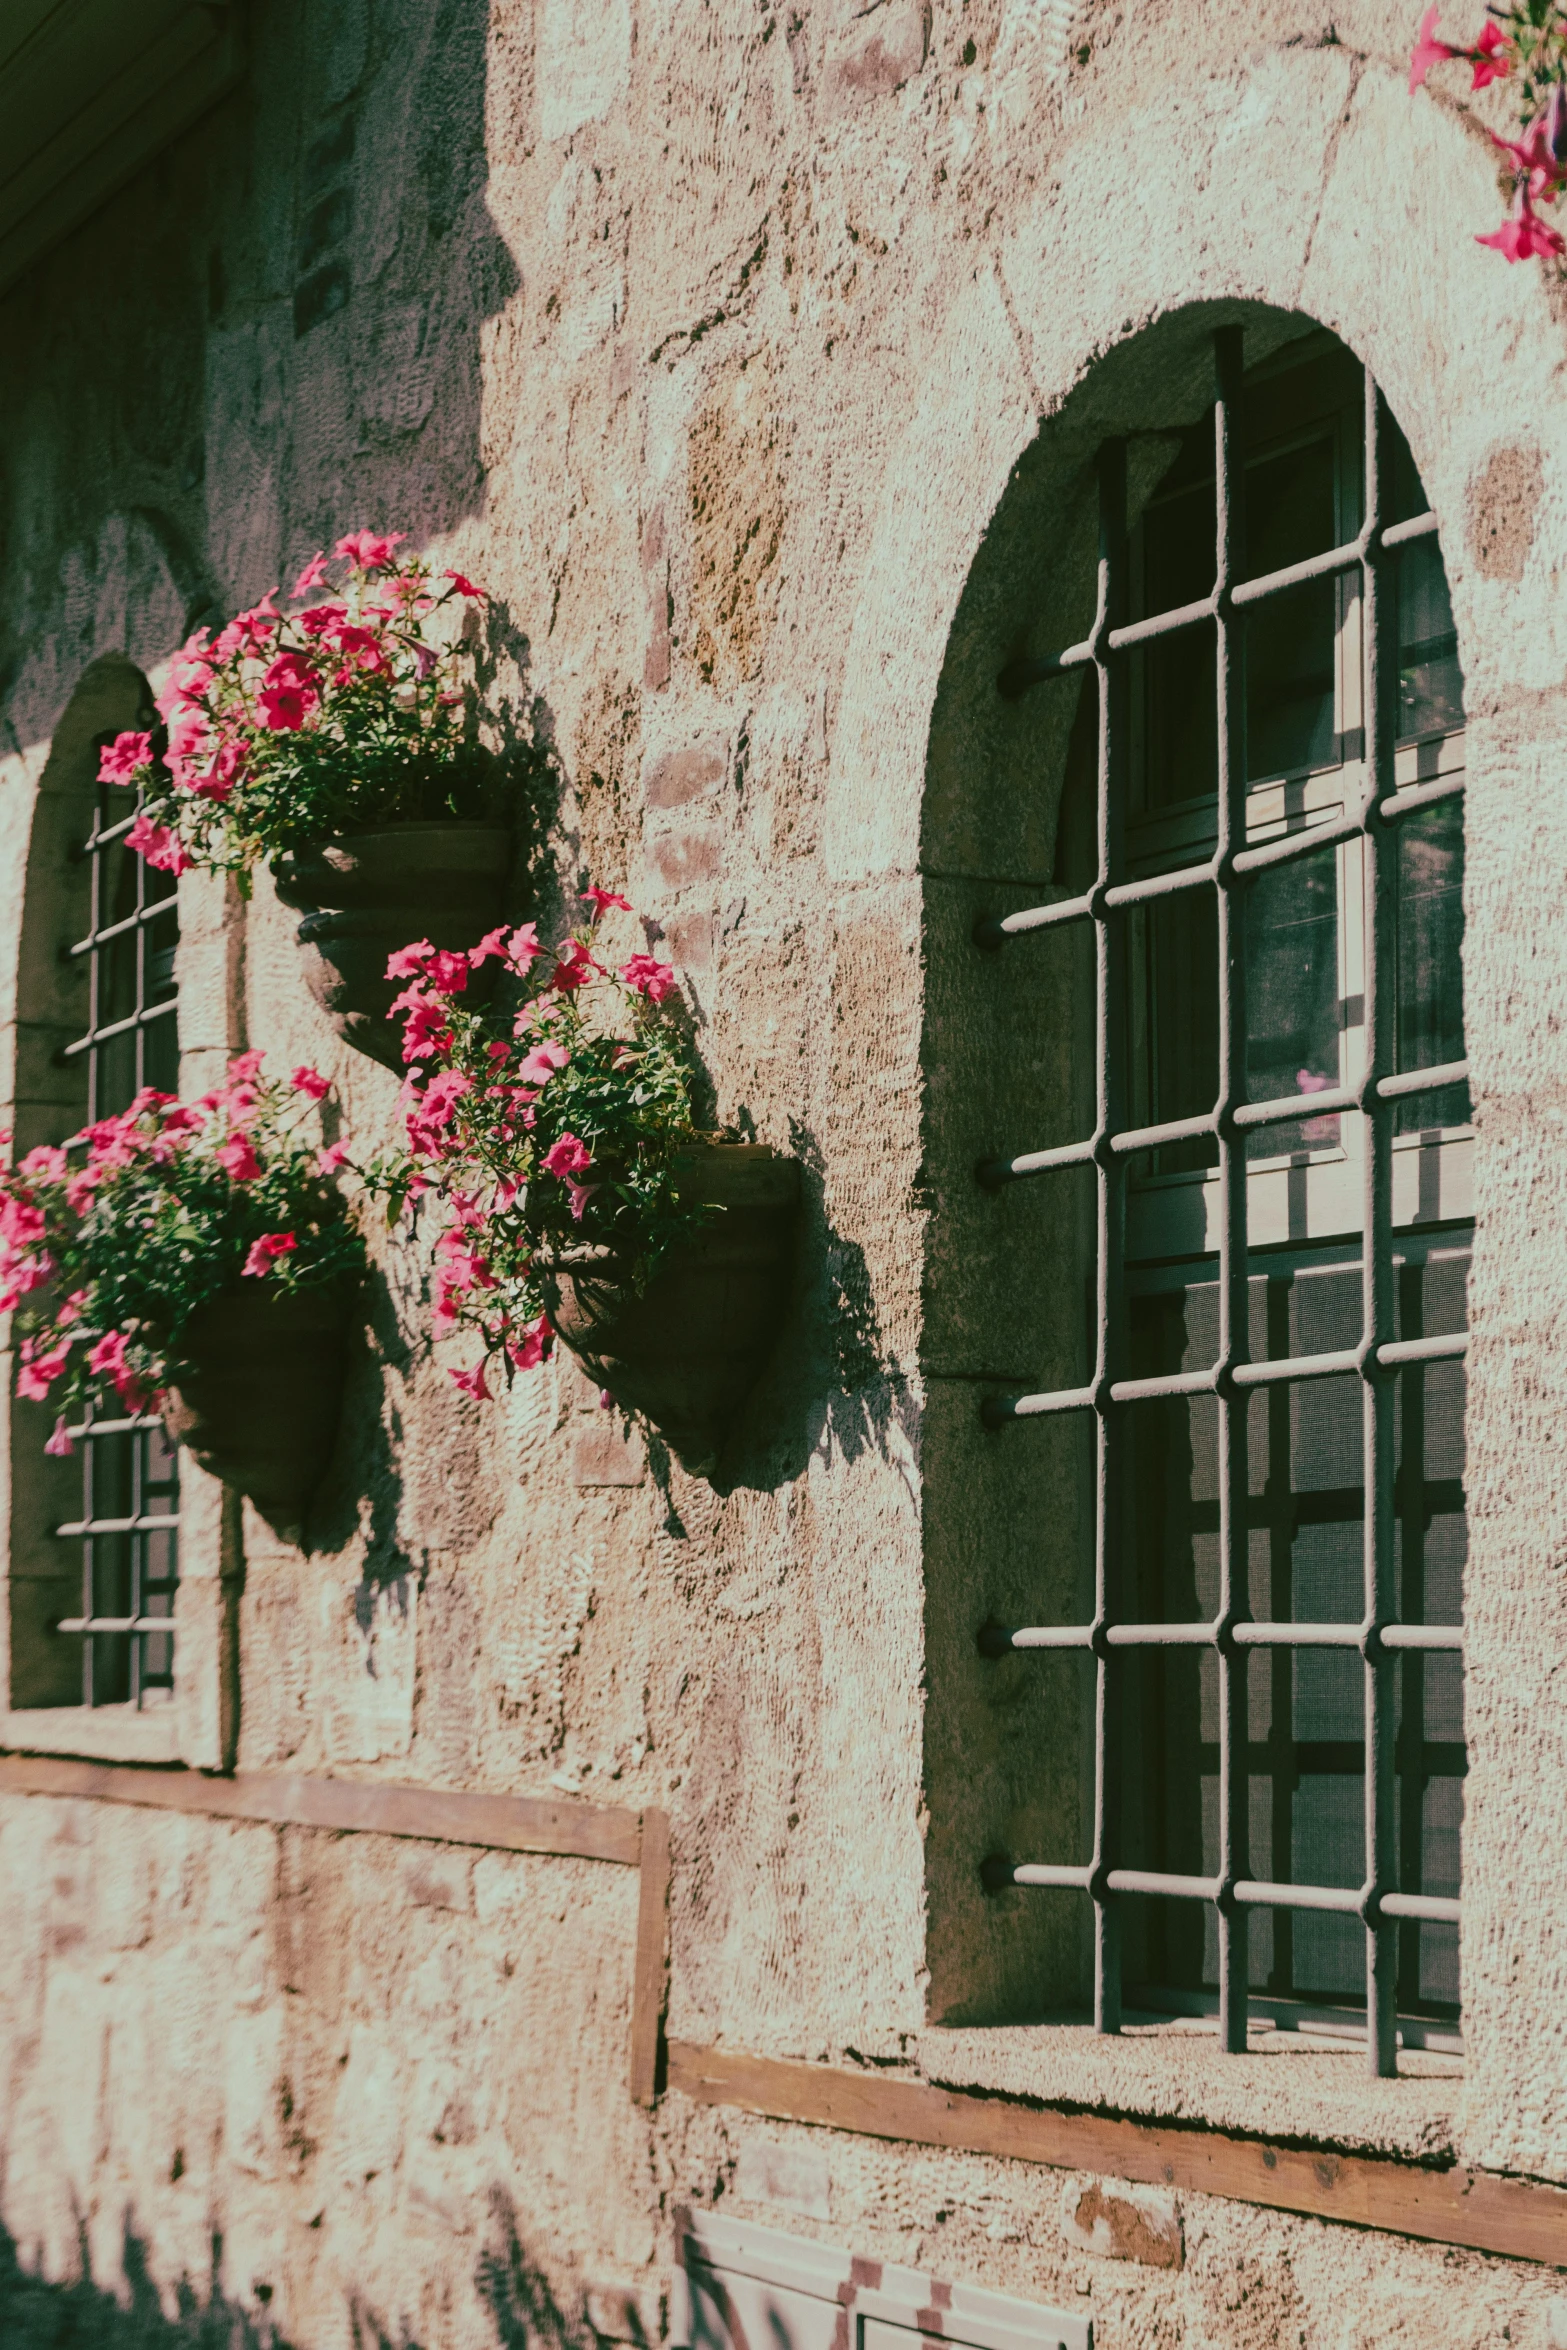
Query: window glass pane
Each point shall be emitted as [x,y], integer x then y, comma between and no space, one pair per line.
[1430,682]
[1292,997]
[1291,512]
[1181,757]
[1176,950]
[1430,960]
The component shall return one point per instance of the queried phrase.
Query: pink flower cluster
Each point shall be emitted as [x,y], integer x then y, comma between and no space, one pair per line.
[1537,158]
[47,1205]
[472,1104]
[270,674]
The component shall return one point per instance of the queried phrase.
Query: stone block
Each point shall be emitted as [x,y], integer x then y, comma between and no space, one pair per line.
[584,62]
[878,53]
[1120,2222]
[609,1454]
[693,773]
[683,858]
[794,2177]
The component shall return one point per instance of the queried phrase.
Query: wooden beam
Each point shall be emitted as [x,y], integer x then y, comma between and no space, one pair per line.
[500,1823]
[651,1971]
[1516,2218]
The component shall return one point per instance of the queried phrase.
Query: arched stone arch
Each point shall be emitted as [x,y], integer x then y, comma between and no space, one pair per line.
[1303,182]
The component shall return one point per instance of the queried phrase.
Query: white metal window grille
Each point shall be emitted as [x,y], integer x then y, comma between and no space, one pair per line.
[128,1528]
[1280,1232]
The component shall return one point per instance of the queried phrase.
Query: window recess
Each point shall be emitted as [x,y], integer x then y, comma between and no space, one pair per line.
[128,1527]
[1262,845]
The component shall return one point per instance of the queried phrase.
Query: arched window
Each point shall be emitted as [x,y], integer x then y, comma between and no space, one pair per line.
[1260,850]
[93,1574]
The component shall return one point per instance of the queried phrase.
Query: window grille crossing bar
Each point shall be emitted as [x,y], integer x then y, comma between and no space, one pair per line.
[996,1639]
[1307,841]
[132,1022]
[1232,1377]
[158,911]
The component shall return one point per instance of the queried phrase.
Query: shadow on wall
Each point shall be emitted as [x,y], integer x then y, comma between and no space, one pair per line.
[82,2315]
[304,362]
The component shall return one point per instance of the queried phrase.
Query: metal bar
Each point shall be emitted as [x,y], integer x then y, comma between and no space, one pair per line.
[1429,1908]
[1110,1222]
[1409,1081]
[1047,1874]
[1290,1107]
[1164,1635]
[81,1527]
[994,1172]
[1150,887]
[1431,1638]
[1160,624]
[1380,650]
[1166,1886]
[1293,1367]
[1302,843]
[1147,1138]
[1355,554]
[134,1624]
[1428,1636]
[998,1409]
[114,1427]
[996,929]
[98,1036]
[1161,1386]
[1452,1347]
[1416,796]
[152,912]
[1229,475]
[1347,1901]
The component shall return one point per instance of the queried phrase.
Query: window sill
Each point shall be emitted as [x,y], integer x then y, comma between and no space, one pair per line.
[106,1733]
[1289,2085]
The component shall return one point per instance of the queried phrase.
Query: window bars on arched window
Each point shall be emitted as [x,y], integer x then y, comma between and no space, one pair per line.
[128,1528]
[1280,1154]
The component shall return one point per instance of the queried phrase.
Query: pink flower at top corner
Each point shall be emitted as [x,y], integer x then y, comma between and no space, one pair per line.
[311,1082]
[124,758]
[602,899]
[1490,57]
[649,977]
[265,1252]
[370,553]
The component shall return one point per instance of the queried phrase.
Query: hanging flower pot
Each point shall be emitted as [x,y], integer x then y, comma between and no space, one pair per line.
[581,1199]
[339,742]
[257,1389]
[366,895]
[199,1258]
[687,1349]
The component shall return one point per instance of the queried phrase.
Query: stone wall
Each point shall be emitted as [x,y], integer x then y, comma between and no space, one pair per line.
[746,354]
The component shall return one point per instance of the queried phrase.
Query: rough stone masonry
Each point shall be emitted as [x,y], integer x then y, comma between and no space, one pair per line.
[749,354]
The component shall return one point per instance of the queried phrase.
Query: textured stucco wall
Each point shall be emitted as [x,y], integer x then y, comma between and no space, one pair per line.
[711,337]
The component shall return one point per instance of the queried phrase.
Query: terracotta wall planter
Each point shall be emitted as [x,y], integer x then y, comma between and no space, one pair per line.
[259,1391]
[688,1351]
[369,893]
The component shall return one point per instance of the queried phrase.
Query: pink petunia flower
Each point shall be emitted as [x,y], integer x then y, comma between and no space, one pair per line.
[312,576]
[311,1081]
[37,1372]
[409,962]
[239,1158]
[1523,235]
[264,1253]
[533,1347]
[1490,57]
[581,1193]
[648,976]
[317,619]
[109,1355]
[574,969]
[124,758]
[447,971]
[1428,50]
[59,1446]
[328,1161]
[472,1382]
[569,1156]
[369,553]
[158,845]
[544,1058]
[602,899]
[464,587]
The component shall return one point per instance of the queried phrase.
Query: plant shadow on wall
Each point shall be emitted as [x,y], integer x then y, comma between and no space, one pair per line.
[523,2305]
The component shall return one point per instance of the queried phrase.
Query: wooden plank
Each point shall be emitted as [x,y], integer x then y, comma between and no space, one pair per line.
[650,1972]
[499,1823]
[1516,2218]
